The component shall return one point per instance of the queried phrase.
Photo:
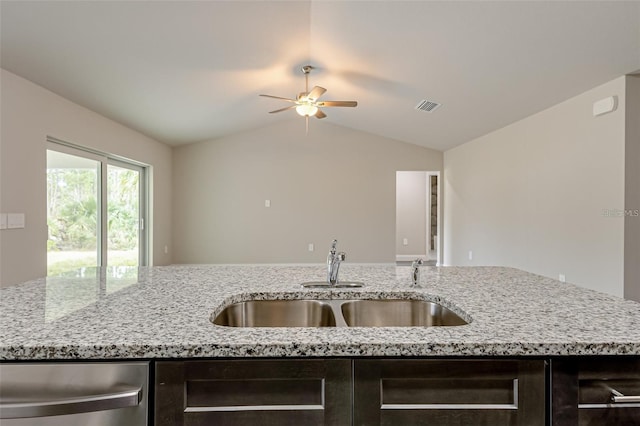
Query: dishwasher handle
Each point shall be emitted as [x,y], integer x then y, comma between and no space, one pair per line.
[619,397]
[121,398]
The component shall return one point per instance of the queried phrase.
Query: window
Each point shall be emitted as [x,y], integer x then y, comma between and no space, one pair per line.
[96,209]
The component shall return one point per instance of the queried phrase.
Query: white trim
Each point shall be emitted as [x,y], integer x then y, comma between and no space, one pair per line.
[427,213]
[439,204]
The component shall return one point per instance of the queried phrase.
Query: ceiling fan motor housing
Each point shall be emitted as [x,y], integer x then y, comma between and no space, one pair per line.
[306,103]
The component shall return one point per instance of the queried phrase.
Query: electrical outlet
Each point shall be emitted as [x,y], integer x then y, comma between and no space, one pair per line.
[311,247]
[405,241]
[470,254]
[562,278]
[267,203]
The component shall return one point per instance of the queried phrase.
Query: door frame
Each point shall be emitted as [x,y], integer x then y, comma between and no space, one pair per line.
[438,216]
[105,160]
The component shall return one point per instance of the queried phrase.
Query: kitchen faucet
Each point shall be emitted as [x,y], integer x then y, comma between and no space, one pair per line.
[334,258]
[415,272]
[333,263]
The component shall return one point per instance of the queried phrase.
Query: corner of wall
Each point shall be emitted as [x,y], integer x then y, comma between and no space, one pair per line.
[632,190]
[531,195]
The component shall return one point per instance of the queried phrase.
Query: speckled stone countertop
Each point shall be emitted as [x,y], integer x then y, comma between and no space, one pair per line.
[165,312]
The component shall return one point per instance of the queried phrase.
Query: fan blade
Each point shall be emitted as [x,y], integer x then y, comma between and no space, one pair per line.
[320,114]
[316,92]
[337,104]
[278,97]
[282,109]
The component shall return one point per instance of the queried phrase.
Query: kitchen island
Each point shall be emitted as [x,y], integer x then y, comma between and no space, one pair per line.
[533,349]
[166,312]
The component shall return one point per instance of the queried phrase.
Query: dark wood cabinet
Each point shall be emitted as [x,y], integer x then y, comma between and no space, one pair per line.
[558,391]
[449,392]
[253,392]
[590,391]
[350,391]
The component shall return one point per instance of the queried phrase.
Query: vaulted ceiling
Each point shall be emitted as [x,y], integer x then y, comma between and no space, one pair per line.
[183,72]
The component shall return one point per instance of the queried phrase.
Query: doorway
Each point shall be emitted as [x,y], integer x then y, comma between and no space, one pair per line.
[96,210]
[418,216]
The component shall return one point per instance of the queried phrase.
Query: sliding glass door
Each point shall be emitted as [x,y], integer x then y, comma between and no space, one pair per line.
[96,210]
[125,222]
[73,212]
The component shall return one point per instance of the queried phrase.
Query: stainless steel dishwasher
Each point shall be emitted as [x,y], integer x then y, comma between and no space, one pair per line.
[74,394]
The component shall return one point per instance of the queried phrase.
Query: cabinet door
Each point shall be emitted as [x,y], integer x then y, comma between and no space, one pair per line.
[456,392]
[595,391]
[260,392]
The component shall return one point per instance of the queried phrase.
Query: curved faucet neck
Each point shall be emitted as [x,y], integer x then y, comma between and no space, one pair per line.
[333,263]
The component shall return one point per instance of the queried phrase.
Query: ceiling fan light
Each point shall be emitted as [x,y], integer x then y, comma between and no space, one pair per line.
[306,110]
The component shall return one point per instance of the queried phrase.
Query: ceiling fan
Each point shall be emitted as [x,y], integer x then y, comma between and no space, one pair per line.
[306,103]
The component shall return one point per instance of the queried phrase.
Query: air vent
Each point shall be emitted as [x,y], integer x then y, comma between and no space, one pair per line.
[428,106]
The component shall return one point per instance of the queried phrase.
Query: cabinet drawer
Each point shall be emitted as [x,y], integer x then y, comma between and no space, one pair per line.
[452,392]
[595,391]
[242,392]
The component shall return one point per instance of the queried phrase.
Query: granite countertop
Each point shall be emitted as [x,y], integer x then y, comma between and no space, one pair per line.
[165,312]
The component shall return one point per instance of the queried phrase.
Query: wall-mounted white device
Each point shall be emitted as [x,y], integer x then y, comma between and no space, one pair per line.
[605,106]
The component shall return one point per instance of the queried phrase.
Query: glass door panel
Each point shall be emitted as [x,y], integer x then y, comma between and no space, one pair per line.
[73,210]
[123,216]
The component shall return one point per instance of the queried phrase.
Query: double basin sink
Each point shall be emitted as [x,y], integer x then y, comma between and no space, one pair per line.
[337,313]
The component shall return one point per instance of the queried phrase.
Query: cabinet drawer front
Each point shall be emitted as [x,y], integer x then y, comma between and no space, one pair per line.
[449,394]
[595,391]
[265,392]
[392,392]
[254,394]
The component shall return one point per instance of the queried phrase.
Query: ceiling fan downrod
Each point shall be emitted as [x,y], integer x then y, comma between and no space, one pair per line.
[306,70]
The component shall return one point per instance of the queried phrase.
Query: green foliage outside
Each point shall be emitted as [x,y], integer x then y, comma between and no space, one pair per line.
[73,211]
[60,267]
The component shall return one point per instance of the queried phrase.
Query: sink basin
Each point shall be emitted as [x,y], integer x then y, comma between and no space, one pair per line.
[337,313]
[398,313]
[277,313]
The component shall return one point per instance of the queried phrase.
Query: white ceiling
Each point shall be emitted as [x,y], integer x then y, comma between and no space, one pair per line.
[183,72]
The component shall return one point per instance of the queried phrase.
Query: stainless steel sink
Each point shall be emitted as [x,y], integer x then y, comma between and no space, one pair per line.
[277,313]
[337,313]
[398,313]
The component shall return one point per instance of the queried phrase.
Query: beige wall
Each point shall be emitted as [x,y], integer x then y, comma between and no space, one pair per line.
[29,114]
[531,195]
[411,213]
[632,191]
[333,183]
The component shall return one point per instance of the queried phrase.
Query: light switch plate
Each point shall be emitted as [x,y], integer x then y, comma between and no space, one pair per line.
[15,220]
[3,221]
